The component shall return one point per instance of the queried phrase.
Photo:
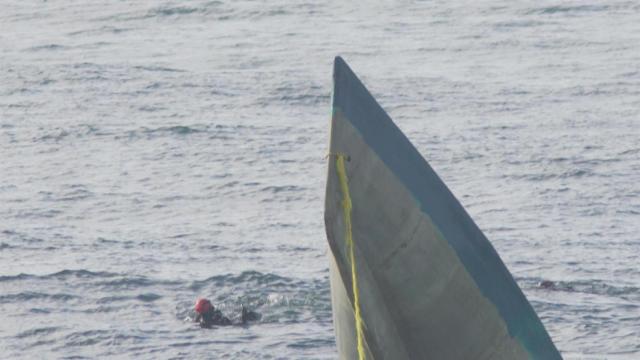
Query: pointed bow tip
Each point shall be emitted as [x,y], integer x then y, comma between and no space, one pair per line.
[338,64]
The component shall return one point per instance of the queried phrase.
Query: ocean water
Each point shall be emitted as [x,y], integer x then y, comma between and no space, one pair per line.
[152,152]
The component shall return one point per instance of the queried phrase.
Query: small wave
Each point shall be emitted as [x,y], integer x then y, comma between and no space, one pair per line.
[283,188]
[126,282]
[229,184]
[148,297]
[304,99]
[282,225]
[81,274]
[574,173]
[86,338]
[172,11]
[32,295]
[174,130]
[7,187]
[551,10]
[21,237]
[112,299]
[258,14]
[60,135]
[295,93]
[594,287]
[60,275]
[104,29]
[157,69]
[102,240]
[628,212]
[519,24]
[151,108]
[245,278]
[296,99]
[190,344]
[46,81]
[48,47]
[9,278]
[74,195]
[602,288]
[39,311]
[38,332]
[630,152]
[312,343]
[57,135]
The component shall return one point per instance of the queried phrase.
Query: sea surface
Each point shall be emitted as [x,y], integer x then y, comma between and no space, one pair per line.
[152,152]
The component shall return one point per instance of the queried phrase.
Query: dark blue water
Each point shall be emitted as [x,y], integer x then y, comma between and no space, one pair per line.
[151,153]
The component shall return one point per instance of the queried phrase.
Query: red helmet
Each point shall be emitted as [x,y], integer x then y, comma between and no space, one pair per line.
[203,305]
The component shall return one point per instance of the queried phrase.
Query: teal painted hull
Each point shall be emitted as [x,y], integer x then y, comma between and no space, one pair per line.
[431,285]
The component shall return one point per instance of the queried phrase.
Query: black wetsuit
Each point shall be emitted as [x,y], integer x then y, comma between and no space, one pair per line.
[211,318]
[214,317]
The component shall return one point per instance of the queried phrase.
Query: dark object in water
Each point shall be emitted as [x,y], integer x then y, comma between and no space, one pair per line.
[207,315]
[248,315]
[547,284]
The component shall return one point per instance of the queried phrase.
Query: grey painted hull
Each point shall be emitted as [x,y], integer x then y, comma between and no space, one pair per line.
[430,284]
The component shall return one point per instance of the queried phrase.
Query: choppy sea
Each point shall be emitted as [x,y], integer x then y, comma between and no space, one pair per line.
[155,151]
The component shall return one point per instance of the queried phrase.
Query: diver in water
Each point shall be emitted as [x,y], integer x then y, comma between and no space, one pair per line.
[207,315]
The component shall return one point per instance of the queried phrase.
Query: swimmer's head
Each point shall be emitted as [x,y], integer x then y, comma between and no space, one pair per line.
[203,305]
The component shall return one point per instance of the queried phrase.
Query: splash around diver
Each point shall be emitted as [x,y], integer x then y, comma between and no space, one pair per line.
[207,316]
